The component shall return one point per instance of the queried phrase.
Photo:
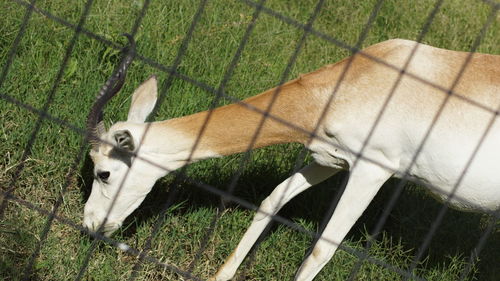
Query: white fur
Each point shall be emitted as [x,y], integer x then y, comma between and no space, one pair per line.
[442,163]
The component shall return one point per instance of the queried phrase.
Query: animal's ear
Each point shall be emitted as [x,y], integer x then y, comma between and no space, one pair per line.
[124,140]
[143,100]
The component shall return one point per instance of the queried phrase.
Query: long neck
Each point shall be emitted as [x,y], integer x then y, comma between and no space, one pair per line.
[235,128]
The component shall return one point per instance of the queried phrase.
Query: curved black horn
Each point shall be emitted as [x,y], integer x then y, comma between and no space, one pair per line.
[108,90]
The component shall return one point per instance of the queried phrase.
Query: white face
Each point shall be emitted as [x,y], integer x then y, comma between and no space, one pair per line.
[120,183]
[118,189]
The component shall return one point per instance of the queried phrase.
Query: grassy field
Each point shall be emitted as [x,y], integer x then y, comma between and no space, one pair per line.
[34,70]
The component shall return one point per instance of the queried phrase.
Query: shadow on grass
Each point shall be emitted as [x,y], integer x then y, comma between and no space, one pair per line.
[409,221]
[16,252]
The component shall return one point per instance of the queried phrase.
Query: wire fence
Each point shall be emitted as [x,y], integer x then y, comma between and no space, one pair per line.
[220,94]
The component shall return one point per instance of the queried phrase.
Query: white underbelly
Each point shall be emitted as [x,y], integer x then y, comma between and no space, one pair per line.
[453,174]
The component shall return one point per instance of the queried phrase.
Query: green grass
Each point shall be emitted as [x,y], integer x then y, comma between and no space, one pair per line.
[210,50]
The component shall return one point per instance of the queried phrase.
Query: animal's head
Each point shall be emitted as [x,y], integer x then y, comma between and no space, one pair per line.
[121,179]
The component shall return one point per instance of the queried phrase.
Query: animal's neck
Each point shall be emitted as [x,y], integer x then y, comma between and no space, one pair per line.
[235,128]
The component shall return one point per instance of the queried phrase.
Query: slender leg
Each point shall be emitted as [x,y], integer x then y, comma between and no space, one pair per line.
[364,182]
[284,192]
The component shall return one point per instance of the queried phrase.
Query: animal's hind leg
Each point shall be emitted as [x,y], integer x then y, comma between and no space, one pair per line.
[364,182]
[284,192]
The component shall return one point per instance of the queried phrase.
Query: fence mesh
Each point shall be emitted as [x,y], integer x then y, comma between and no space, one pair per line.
[227,194]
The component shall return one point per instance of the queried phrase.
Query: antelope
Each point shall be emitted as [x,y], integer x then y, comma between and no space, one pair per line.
[360,122]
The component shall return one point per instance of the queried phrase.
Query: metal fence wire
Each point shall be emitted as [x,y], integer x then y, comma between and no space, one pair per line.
[226,193]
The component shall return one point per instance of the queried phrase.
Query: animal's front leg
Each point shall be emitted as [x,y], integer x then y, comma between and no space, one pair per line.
[283,193]
[364,182]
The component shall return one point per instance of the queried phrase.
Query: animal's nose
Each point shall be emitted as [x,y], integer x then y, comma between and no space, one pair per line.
[90,222]
[88,225]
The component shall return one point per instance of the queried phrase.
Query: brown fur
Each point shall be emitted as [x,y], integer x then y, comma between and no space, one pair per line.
[362,92]
[239,124]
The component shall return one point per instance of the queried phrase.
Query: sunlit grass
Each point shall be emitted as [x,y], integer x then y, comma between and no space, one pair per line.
[216,37]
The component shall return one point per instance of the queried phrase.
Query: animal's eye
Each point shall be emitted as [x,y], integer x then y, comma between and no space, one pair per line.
[103,176]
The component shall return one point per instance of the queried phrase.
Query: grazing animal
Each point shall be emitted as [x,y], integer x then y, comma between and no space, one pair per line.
[367,115]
